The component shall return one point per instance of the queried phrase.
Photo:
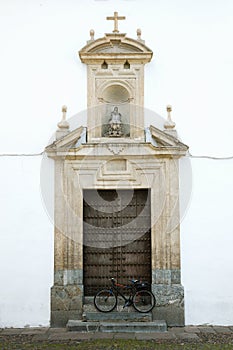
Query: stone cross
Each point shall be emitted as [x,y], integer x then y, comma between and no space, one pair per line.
[115,18]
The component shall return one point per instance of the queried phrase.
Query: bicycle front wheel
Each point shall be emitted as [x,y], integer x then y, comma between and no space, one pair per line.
[105,300]
[143,301]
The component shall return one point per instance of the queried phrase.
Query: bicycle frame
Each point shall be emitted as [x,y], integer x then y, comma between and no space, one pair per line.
[115,287]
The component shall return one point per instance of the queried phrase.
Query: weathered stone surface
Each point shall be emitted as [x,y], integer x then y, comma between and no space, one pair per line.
[168,294]
[206,329]
[80,326]
[221,329]
[118,316]
[40,337]
[35,331]
[117,327]
[166,276]
[128,327]
[173,314]
[176,329]
[70,336]
[191,329]
[57,330]
[61,317]
[169,303]
[66,298]
[155,336]
[64,277]
[188,337]
[66,303]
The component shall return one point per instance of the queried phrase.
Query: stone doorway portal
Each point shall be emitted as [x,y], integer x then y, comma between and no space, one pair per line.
[100,232]
[116,237]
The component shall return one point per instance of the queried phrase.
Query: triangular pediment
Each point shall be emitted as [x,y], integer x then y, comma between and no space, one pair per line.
[67,141]
[162,138]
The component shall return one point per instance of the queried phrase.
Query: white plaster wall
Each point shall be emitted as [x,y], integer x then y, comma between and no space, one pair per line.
[26,245]
[207,240]
[192,69]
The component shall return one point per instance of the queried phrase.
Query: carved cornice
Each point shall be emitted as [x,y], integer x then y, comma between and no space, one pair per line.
[104,151]
[115,48]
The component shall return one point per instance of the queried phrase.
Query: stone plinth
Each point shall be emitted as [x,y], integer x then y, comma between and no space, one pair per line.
[66,304]
[169,304]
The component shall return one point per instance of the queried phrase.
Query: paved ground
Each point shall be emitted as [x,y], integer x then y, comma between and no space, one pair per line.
[194,334]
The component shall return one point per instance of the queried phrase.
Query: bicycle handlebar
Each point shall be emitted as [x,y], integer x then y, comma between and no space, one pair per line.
[133,281]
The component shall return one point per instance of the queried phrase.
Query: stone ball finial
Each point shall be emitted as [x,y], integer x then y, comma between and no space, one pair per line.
[139,33]
[169,124]
[169,108]
[92,34]
[64,109]
[63,124]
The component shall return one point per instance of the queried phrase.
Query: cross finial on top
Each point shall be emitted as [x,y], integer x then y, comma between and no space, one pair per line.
[115,18]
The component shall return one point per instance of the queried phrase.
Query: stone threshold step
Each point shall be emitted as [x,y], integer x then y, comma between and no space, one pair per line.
[117,327]
[117,316]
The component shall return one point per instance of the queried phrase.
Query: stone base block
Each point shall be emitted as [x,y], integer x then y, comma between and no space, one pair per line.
[173,315]
[66,303]
[169,304]
[60,318]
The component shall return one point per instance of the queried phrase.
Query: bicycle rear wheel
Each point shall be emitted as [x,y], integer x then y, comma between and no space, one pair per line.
[143,301]
[105,300]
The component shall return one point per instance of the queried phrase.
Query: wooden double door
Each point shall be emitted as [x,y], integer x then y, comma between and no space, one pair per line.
[116,237]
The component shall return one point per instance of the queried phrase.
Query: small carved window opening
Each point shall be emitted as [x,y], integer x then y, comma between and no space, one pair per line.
[126,65]
[104,65]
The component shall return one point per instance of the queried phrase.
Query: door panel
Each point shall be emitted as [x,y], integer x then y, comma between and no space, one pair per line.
[117,237]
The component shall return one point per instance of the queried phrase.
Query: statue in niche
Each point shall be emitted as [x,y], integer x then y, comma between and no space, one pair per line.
[115,123]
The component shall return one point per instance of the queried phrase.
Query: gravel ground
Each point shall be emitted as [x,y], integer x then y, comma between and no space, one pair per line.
[196,339]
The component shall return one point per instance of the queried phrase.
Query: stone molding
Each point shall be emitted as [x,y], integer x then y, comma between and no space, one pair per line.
[114,47]
[115,149]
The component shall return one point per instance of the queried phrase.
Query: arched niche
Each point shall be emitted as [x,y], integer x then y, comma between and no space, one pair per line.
[116,95]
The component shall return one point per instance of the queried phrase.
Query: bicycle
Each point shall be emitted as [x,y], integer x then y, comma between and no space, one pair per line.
[140,298]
